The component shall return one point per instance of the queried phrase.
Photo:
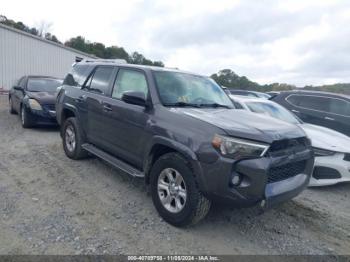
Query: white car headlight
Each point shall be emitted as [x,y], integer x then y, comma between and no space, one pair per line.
[239,148]
[322,152]
[33,104]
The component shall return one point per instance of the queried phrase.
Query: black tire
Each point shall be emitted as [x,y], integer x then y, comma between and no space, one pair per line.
[11,110]
[76,152]
[26,118]
[196,206]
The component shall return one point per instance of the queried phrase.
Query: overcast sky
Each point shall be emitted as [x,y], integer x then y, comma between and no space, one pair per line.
[297,42]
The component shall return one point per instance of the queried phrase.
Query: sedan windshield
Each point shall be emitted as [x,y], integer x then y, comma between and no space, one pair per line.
[181,89]
[273,110]
[43,84]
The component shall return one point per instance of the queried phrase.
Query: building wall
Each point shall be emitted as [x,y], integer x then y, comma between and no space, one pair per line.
[24,54]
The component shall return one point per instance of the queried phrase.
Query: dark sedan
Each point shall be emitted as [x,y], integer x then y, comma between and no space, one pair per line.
[33,98]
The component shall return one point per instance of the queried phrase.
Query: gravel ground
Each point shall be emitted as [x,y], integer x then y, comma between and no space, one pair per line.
[50,204]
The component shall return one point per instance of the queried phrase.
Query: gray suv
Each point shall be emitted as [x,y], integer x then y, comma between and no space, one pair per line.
[180,132]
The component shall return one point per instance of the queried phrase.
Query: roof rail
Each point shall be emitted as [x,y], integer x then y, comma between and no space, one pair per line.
[114,61]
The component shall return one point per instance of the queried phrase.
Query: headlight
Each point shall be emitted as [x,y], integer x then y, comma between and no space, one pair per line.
[323,152]
[33,104]
[238,148]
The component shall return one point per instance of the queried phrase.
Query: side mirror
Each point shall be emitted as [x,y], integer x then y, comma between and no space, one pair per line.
[18,88]
[134,98]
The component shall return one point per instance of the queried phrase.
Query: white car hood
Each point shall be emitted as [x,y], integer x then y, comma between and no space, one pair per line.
[325,138]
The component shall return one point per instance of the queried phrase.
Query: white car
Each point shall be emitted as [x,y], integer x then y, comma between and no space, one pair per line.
[332,149]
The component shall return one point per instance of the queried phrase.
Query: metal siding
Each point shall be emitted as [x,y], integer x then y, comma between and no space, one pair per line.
[23,55]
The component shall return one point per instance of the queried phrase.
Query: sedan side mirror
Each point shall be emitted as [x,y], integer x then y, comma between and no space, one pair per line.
[18,88]
[134,98]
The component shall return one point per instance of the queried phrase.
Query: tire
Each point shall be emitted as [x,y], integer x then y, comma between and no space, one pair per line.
[73,138]
[183,209]
[26,119]
[11,110]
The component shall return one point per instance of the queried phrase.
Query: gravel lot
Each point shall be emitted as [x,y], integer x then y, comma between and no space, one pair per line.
[50,204]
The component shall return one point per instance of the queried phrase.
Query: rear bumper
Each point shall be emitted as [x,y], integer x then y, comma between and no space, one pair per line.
[256,184]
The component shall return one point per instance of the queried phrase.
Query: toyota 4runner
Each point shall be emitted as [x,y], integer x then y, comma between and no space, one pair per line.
[180,132]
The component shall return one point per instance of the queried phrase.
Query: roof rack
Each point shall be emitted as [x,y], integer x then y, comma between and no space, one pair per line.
[114,61]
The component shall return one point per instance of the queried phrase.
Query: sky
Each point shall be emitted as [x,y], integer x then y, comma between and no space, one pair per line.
[300,42]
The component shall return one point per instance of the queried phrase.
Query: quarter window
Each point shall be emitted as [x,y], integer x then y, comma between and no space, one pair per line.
[129,80]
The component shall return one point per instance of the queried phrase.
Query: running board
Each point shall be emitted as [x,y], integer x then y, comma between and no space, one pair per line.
[113,160]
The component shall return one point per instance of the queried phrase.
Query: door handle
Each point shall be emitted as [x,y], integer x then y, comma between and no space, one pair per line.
[329,118]
[295,111]
[80,99]
[107,108]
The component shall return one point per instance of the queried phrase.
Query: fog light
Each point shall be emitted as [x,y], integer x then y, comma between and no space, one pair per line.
[236,179]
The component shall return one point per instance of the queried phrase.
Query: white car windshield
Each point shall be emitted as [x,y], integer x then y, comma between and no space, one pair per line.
[273,110]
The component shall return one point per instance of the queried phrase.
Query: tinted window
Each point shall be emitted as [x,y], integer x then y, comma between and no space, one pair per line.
[101,79]
[77,75]
[339,107]
[310,102]
[129,80]
[43,84]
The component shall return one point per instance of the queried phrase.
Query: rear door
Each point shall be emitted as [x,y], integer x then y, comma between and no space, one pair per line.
[98,88]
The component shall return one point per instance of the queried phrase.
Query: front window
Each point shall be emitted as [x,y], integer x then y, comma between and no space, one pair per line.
[272,110]
[43,84]
[182,89]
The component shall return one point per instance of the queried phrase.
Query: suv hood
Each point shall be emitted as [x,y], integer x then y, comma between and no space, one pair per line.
[43,97]
[325,138]
[244,124]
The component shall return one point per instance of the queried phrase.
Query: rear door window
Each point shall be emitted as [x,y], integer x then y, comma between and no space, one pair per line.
[340,107]
[101,79]
[317,103]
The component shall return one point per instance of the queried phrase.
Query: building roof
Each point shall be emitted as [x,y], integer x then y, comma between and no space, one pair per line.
[45,40]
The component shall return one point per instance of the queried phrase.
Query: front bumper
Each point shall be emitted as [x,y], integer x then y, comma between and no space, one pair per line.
[257,183]
[330,170]
[47,116]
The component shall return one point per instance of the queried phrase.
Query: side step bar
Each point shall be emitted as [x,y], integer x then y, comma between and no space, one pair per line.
[113,160]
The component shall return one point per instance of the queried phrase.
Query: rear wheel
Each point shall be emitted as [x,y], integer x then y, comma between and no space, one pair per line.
[12,111]
[26,120]
[175,193]
[73,139]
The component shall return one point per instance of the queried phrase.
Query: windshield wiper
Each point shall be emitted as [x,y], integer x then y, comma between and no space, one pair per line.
[215,105]
[182,104]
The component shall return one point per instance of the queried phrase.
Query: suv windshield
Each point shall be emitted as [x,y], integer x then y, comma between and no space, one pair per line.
[43,84]
[181,89]
[275,111]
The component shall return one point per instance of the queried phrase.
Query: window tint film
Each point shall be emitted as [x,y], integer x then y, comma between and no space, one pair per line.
[101,79]
[129,80]
[310,102]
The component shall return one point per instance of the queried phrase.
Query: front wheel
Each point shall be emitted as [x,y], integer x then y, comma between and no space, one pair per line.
[73,139]
[175,193]
[26,119]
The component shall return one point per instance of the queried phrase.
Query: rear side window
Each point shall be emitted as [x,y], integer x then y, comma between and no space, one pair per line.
[310,102]
[129,80]
[77,75]
[101,79]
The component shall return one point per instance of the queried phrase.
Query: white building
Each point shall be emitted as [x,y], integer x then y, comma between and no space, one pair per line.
[25,54]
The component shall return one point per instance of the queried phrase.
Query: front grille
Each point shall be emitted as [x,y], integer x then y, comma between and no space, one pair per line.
[347,157]
[286,171]
[49,107]
[289,143]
